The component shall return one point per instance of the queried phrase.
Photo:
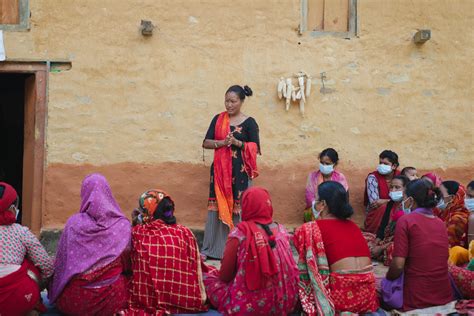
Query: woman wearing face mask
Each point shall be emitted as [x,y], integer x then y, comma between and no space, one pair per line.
[381,243]
[452,211]
[334,259]
[328,160]
[377,189]
[469,202]
[234,137]
[421,250]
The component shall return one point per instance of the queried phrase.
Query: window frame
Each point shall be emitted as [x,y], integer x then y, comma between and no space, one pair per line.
[24,16]
[352,23]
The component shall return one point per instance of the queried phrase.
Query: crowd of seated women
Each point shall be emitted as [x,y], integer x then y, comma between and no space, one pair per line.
[106,265]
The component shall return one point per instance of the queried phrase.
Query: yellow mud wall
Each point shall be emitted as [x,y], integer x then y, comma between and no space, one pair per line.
[137,108]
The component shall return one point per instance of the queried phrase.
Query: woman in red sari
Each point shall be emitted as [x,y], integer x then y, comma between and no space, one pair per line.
[454,213]
[377,189]
[234,137]
[258,275]
[335,268]
[167,275]
[381,243]
[93,255]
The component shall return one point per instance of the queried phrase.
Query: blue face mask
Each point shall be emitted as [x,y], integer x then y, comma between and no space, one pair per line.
[384,169]
[469,204]
[326,169]
[442,204]
[405,209]
[396,196]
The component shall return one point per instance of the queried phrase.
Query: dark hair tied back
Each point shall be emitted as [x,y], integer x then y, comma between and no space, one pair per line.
[336,198]
[271,237]
[242,92]
[423,193]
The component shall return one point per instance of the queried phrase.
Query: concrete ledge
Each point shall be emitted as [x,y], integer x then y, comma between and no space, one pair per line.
[49,238]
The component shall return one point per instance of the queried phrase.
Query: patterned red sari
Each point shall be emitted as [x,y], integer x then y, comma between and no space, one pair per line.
[323,292]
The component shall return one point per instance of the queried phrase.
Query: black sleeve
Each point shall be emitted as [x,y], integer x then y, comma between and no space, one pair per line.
[212,128]
[254,136]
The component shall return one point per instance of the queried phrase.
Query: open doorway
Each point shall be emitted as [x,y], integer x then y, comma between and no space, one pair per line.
[23,87]
[12,118]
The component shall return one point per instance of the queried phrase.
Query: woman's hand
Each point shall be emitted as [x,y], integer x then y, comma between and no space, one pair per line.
[378,203]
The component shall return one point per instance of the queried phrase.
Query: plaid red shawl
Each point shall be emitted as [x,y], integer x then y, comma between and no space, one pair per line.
[167,276]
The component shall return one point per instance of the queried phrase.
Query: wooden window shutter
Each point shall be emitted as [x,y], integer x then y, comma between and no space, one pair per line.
[9,12]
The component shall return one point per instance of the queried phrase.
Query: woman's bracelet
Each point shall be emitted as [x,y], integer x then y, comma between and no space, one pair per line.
[242,146]
[215,144]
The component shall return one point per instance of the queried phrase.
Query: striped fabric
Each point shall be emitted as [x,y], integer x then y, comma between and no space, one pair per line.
[215,235]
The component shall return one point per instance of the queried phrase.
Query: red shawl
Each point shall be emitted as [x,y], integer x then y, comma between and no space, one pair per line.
[249,154]
[223,172]
[260,262]
[167,275]
[384,190]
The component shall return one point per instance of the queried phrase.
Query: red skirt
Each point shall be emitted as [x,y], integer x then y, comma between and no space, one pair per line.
[19,293]
[353,292]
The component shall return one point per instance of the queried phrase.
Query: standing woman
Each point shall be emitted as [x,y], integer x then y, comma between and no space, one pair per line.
[377,189]
[234,138]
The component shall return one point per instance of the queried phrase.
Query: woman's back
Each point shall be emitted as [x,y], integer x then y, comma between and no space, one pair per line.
[423,241]
[343,240]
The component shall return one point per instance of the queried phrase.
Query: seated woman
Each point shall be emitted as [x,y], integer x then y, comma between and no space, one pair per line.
[410,172]
[377,190]
[421,250]
[24,263]
[93,255]
[433,179]
[328,160]
[258,275]
[381,244]
[334,260]
[454,214]
[461,268]
[167,275]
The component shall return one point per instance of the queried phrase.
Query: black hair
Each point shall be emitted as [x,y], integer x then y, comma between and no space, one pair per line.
[423,193]
[451,186]
[271,240]
[336,198]
[164,211]
[331,153]
[471,185]
[402,178]
[406,169]
[242,92]
[390,155]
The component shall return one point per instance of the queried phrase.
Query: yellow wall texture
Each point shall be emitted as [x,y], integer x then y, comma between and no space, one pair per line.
[149,100]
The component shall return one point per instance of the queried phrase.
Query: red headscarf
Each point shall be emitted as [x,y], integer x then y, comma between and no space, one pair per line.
[434,178]
[260,262]
[8,195]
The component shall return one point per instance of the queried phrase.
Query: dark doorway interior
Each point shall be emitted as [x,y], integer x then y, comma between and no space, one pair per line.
[12,113]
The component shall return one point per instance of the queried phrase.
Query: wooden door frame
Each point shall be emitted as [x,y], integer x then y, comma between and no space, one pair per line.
[34,146]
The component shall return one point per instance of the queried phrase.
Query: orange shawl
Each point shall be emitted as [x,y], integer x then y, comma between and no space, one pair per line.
[223,172]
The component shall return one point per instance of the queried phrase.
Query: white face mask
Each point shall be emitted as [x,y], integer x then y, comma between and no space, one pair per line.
[396,196]
[469,204]
[316,213]
[384,169]
[442,204]
[405,209]
[326,169]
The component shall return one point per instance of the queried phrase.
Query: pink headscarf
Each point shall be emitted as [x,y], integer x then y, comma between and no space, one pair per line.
[95,236]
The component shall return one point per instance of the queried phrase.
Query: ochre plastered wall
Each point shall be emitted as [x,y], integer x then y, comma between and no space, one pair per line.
[137,108]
